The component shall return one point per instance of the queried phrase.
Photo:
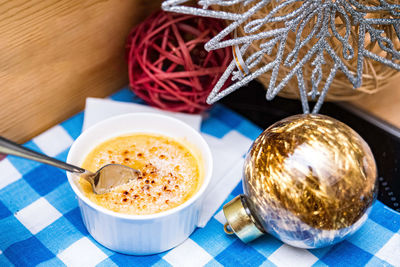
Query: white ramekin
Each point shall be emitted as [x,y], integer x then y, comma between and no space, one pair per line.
[140,234]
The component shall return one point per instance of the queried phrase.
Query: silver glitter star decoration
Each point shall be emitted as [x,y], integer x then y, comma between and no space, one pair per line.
[322,13]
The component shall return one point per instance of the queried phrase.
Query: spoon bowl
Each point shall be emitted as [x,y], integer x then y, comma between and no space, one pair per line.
[109,176]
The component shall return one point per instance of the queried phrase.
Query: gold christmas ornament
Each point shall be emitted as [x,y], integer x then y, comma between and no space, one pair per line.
[309,180]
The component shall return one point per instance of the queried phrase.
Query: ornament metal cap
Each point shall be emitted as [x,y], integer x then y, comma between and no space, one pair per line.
[240,221]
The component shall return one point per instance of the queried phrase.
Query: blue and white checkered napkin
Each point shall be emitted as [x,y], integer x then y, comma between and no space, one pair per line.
[40,223]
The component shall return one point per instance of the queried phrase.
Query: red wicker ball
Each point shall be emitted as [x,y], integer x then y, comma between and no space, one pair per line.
[168,65]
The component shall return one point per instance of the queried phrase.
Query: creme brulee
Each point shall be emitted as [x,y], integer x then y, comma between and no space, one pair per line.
[170,173]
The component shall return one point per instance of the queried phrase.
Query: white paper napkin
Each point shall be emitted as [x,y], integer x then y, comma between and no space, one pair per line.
[98,109]
[227,152]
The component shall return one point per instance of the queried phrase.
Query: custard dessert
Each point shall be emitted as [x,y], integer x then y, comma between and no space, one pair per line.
[170,173]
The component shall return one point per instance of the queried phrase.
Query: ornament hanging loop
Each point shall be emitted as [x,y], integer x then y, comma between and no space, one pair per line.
[227,229]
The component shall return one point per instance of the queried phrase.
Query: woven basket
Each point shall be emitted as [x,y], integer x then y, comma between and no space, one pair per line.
[375,75]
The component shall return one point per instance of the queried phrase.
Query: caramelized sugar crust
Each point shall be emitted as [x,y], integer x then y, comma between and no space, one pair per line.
[170,173]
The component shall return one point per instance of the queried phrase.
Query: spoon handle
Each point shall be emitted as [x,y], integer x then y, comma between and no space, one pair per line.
[11,148]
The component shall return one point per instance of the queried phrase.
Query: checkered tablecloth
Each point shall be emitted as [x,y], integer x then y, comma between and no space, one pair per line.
[40,222]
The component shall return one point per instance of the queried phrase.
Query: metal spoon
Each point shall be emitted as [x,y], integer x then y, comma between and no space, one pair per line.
[102,181]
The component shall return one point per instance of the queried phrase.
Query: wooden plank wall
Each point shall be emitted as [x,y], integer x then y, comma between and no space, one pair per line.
[55,53]
[384,104]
